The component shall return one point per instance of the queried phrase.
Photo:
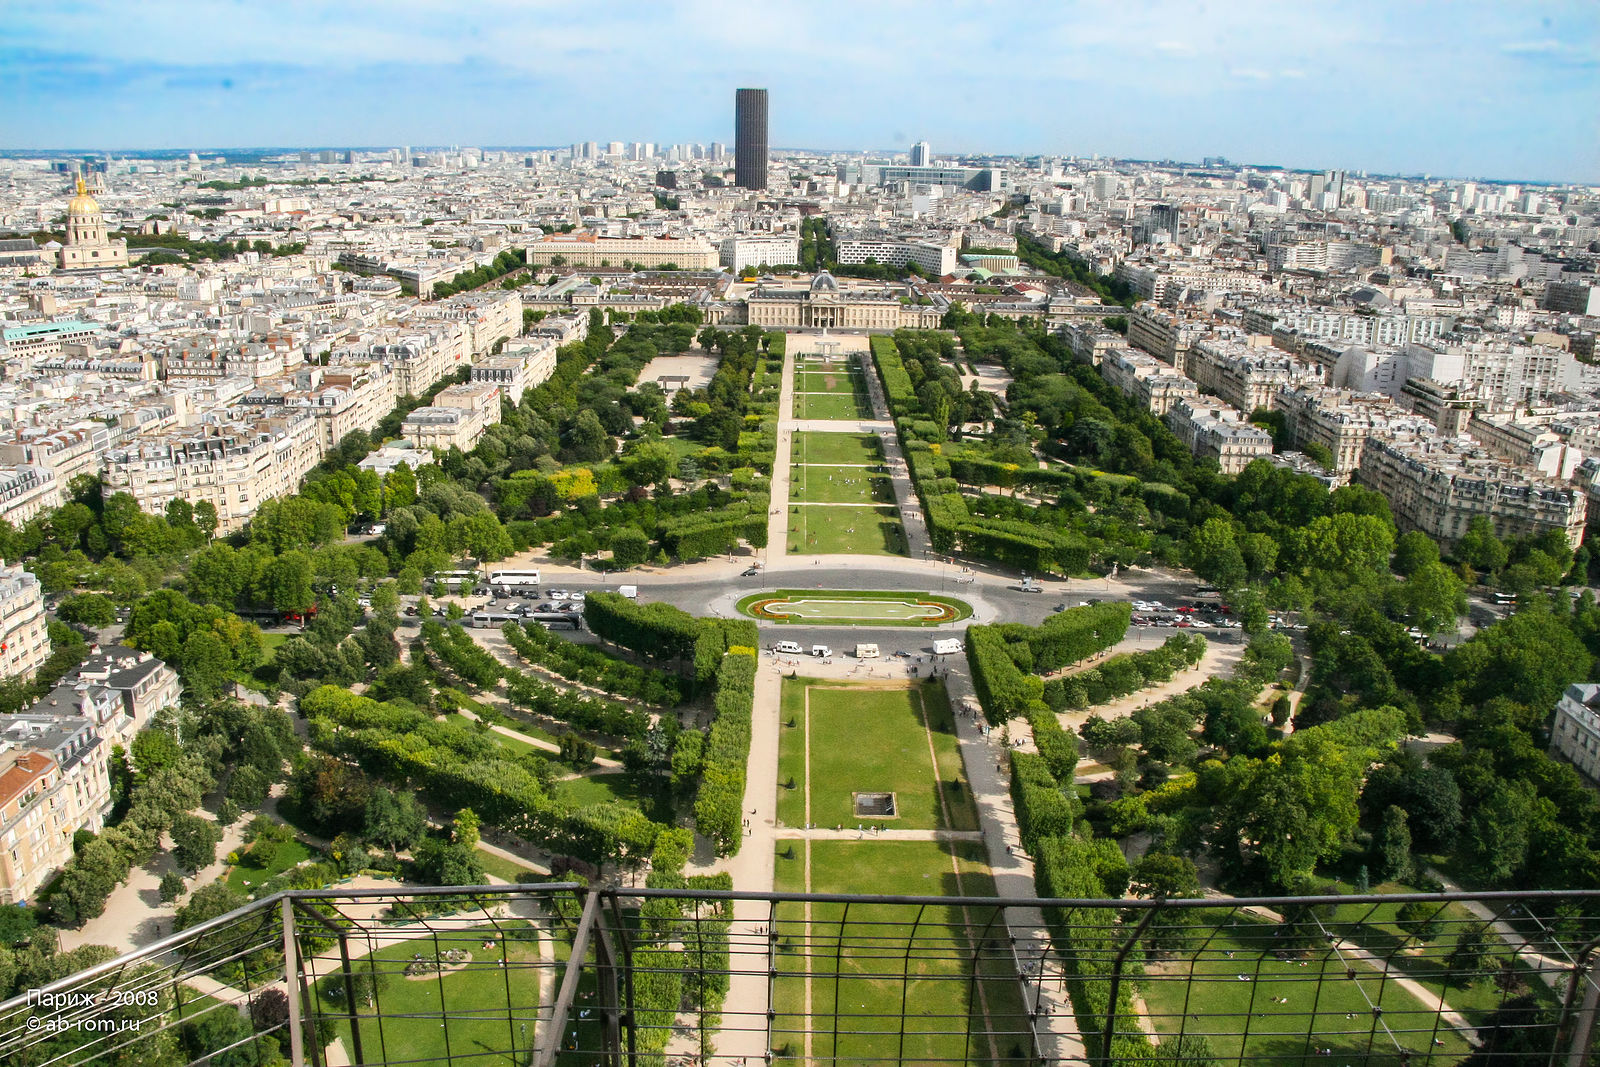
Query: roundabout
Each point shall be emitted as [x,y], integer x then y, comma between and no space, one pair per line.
[823,607]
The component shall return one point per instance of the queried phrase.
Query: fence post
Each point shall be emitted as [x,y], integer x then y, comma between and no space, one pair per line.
[291,976]
[1116,980]
[1582,1018]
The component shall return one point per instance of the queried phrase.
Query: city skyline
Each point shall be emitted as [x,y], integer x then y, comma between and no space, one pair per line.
[1362,86]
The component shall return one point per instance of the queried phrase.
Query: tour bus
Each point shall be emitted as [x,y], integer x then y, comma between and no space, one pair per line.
[510,581]
[450,581]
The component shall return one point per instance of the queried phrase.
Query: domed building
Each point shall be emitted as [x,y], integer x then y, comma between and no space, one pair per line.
[88,247]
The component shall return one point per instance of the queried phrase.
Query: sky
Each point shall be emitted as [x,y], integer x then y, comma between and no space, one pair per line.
[1463,88]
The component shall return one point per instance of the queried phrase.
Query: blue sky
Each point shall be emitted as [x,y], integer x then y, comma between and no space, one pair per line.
[1504,90]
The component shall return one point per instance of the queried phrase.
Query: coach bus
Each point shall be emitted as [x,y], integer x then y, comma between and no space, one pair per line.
[511,581]
[450,581]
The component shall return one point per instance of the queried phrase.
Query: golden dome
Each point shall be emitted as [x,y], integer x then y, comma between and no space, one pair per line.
[83,203]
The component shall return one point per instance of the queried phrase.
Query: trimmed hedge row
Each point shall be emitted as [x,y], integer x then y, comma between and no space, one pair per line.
[659,631]
[1003,690]
[592,666]
[1043,810]
[1071,636]
[1057,748]
[718,805]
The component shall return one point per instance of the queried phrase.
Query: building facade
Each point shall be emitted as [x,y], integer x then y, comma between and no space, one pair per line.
[24,635]
[1575,733]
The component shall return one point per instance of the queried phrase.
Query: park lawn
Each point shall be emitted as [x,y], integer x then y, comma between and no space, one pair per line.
[269,645]
[601,789]
[873,981]
[846,531]
[245,876]
[1326,1008]
[791,753]
[1378,931]
[839,485]
[498,866]
[829,381]
[868,738]
[947,752]
[460,1013]
[831,406]
[849,449]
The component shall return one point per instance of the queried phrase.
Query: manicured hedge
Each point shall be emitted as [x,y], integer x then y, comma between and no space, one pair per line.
[1070,636]
[1057,748]
[659,631]
[1043,810]
[1003,690]
[718,805]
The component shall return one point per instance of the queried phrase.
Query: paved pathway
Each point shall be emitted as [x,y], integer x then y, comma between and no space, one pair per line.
[778,524]
[850,833]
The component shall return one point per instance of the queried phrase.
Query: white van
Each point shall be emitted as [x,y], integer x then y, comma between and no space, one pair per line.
[821,651]
[866,652]
[629,591]
[949,646]
[790,647]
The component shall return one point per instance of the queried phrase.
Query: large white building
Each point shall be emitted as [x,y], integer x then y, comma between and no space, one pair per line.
[1575,733]
[754,251]
[587,250]
[24,634]
[1438,484]
[936,258]
[1212,430]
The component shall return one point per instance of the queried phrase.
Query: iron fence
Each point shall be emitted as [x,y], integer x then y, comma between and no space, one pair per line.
[563,974]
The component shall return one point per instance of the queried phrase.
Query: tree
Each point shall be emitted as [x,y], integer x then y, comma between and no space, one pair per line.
[204,664]
[630,546]
[1214,555]
[286,583]
[467,828]
[586,440]
[648,462]
[394,820]
[194,841]
[1470,952]
[89,609]
[1479,548]
[171,887]
[1158,874]
[1420,919]
[1433,597]
[207,903]
[205,518]
[481,535]
[447,863]
[1391,846]
[1413,551]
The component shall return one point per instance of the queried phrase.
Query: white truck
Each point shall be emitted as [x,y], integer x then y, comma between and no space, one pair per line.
[948,646]
[629,591]
[821,651]
[866,652]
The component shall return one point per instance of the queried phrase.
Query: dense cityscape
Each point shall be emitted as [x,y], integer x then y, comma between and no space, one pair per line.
[682,545]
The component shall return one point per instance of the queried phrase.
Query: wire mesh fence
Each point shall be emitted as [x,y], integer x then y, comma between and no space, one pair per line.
[562,974]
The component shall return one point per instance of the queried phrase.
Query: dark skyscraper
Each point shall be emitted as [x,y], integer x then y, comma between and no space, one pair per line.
[750,139]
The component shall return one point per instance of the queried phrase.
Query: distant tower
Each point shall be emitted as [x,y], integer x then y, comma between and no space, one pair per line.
[922,154]
[750,139]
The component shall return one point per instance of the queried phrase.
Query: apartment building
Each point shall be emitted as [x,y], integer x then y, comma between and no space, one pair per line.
[1365,327]
[1575,733]
[1090,342]
[1570,298]
[1501,373]
[24,635]
[457,419]
[740,252]
[1164,334]
[54,781]
[1438,484]
[25,491]
[1526,444]
[587,250]
[1247,378]
[490,317]
[66,452]
[234,464]
[141,684]
[1213,430]
[1151,382]
[342,400]
[1341,421]
[519,368]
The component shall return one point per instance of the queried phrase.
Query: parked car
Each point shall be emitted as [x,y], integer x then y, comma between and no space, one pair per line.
[749,572]
[558,594]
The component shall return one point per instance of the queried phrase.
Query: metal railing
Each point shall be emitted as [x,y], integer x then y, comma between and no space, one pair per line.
[560,973]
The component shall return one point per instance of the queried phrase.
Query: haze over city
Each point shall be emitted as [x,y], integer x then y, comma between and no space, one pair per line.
[1458,89]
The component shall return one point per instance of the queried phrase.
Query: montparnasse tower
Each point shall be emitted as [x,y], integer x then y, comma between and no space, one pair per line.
[88,245]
